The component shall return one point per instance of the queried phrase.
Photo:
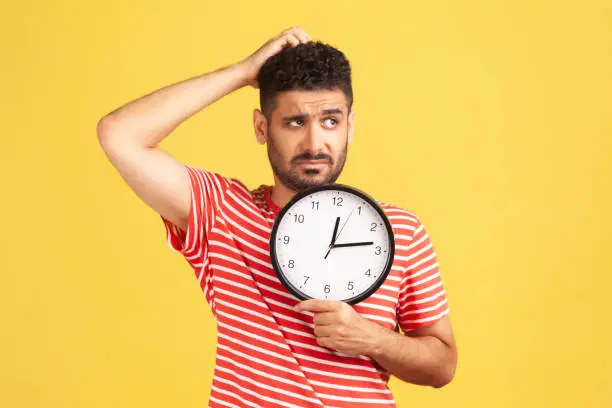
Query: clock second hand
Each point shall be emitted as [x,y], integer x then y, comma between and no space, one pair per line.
[347,218]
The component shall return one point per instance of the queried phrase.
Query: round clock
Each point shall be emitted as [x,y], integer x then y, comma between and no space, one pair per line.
[332,242]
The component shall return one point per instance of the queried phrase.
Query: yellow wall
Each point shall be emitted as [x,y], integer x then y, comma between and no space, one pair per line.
[489,119]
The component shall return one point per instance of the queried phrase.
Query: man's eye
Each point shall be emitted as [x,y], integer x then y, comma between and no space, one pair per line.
[330,122]
[297,122]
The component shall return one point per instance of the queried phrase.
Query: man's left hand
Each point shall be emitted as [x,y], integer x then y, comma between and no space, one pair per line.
[338,326]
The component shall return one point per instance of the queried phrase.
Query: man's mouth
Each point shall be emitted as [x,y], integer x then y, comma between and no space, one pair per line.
[310,162]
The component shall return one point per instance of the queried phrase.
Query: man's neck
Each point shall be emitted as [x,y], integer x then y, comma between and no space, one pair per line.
[281,194]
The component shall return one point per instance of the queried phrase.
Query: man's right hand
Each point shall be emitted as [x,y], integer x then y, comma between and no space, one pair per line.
[252,64]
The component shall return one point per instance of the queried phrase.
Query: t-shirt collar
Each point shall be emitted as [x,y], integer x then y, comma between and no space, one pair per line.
[271,205]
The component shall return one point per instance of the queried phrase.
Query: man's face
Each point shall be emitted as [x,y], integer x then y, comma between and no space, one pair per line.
[307,137]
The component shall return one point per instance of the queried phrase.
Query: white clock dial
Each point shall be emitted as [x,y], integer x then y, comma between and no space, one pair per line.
[332,242]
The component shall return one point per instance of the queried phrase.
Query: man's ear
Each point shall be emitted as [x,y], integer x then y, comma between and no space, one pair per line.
[260,124]
[351,125]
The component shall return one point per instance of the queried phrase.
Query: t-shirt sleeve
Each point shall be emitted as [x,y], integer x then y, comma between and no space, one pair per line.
[422,298]
[207,193]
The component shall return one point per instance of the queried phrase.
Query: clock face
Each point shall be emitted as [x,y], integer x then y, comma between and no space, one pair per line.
[332,242]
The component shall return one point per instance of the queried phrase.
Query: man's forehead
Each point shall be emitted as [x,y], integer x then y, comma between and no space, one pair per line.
[300,101]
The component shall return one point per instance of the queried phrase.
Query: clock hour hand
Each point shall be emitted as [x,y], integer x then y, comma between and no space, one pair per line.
[353,244]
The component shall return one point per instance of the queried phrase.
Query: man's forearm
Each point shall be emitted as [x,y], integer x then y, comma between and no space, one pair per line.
[418,360]
[146,121]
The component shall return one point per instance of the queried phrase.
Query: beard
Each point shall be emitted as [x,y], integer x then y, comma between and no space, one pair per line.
[297,179]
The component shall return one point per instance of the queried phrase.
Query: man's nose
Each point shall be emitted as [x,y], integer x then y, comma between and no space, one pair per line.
[314,141]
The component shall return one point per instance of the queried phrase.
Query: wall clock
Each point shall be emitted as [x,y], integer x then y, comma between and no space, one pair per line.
[332,242]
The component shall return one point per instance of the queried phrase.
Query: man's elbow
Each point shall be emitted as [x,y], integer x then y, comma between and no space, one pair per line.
[444,375]
[106,128]
[443,378]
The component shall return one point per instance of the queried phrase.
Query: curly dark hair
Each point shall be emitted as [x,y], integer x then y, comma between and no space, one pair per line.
[310,66]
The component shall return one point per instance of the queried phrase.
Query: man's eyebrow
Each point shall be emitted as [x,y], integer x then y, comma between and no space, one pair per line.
[333,111]
[303,116]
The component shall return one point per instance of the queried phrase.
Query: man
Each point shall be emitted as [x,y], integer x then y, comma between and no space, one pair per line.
[273,350]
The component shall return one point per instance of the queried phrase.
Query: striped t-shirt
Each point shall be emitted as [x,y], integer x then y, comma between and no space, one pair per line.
[267,355]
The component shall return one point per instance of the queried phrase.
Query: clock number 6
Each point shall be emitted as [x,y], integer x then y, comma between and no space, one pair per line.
[326,289]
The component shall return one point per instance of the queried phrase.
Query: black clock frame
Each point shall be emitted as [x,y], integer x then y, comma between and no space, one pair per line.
[352,190]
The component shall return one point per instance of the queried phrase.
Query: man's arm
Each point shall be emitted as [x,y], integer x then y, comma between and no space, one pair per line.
[425,356]
[131,134]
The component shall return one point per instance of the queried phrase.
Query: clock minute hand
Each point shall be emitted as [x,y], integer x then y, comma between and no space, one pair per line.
[333,241]
[353,244]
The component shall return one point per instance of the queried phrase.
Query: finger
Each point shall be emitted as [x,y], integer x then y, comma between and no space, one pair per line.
[318,305]
[324,341]
[290,30]
[325,318]
[302,35]
[292,39]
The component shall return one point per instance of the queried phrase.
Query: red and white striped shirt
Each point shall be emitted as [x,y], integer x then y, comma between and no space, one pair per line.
[267,355]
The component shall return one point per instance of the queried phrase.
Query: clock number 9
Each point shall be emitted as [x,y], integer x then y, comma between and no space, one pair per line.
[286,239]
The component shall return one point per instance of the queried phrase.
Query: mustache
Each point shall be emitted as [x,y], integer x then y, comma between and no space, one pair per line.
[309,156]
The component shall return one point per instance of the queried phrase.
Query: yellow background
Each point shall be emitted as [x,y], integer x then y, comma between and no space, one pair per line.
[491,120]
